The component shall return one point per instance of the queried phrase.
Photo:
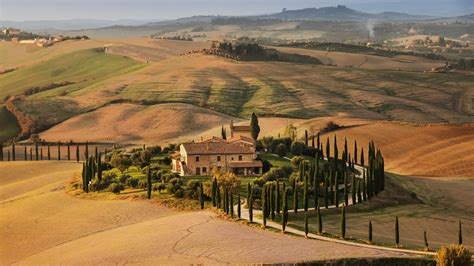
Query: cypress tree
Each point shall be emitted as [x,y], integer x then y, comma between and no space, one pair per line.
[87,150]
[36,152]
[353,189]
[59,151]
[8,155]
[362,161]
[41,153]
[249,192]
[427,248]
[306,230]
[99,168]
[320,220]
[148,183]
[271,197]
[397,232]
[295,197]
[346,192]
[370,232]
[214,192]
[312,141]
[305,193]
[97,151]
[68,151]
[231,194]
[77,153]
[250,205]
[364,188]
[328,149]
[264,205]
[254,126]
[336,193]
[49,152]
[226,202]
[13,152]
[355,151]
[359,194]
[285,209]
[326,200]
[316,183]
[223,133]
[277,195]
[331,186]
[218,195]
[1,152]
[343,222]
[460,233]
[31,153]
[346,151]
[239,210]
[336,151]
[25,154]
[84,177]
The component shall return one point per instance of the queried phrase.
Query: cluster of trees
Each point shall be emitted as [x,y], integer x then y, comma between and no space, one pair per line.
[221,190]
[242,49]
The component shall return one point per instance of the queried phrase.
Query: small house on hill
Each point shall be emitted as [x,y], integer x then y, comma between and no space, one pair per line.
[236,154]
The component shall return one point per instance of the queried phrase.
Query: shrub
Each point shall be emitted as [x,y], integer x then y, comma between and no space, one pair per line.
[179,193]
[159,187]
[123,179]
[259,181]
[297,148]
[132,182]
[296,161]
[454,255]
[116,188]
[281,150]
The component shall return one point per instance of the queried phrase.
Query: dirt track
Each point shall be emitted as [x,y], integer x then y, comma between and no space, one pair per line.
[46,225]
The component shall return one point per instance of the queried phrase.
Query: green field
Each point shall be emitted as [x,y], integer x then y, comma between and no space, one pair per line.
[82,68]
[9,126]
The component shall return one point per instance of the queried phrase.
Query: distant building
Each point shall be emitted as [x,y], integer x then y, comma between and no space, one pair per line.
[237,155]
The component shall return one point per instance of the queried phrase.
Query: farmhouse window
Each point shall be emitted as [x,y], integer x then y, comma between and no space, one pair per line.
[218,158]
[204,170]
[197,158]
[240,157]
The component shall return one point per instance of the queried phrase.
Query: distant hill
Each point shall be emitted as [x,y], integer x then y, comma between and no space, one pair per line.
[342,13]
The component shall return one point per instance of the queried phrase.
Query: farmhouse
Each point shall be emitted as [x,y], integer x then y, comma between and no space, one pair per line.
[236,155]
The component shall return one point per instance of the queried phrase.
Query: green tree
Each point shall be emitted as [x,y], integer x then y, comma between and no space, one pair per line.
[49,152]
[68,151]
[214,192]
[277,197]
[346,192]
[320,220]
[59,151]
[285,208]
[36,152]
[223,133]
[427,248]
[343,222]
[239,208]
[355,151]
[362,161]
[336,192]
[305,193]
[306,230]
[254,127]
[326,192]
[281,150]
[295,196]
[460,233]
[231,205]
[397,232]
[122,163]
[25,154]
[77,152]
[148,183]
[328,149]
[1,152]
[306,137]
[13,152]
[250,205]
[370,232]
[264,205]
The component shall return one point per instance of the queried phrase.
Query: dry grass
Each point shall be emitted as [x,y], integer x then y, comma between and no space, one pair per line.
[48,226]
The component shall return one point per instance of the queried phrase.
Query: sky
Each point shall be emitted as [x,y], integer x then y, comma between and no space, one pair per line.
[19,10]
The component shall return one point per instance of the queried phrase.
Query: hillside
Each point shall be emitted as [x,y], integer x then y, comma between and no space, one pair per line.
[360,86]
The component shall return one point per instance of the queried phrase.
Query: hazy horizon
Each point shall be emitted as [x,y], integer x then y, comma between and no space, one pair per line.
[28,10]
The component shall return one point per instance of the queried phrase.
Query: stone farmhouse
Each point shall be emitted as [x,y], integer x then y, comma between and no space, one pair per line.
[236,154]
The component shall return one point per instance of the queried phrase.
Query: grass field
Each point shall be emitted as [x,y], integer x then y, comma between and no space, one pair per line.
[437,209]
[81,68]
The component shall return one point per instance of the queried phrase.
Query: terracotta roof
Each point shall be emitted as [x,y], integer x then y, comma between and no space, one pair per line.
[219,148]
[241,138]
[240,164]
[214,139]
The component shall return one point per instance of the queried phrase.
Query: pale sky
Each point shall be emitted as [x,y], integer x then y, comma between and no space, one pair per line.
[169,9]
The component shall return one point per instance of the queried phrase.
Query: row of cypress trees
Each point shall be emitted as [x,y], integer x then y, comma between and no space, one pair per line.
[223,197]
[38,152]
